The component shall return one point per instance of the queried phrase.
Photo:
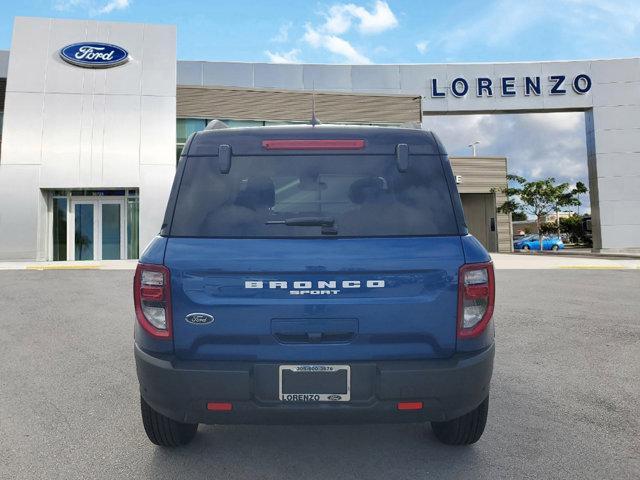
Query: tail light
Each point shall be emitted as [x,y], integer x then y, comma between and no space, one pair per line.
[152,299]
[476,294]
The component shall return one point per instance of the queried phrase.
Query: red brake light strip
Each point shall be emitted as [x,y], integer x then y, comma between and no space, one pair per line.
[313,144]
[220,406]
[152,293]
[477,291]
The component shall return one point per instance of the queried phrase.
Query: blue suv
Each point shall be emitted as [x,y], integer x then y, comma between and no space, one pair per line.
[314,274]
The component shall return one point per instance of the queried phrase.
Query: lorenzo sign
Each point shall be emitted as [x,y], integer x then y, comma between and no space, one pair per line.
[94,55]
[506,86]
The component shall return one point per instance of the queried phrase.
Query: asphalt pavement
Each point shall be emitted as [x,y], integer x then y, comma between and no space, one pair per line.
[564,400]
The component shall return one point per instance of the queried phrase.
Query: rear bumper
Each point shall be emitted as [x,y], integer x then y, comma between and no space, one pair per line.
[448,388]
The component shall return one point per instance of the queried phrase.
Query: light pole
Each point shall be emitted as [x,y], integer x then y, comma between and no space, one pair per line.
[473,147]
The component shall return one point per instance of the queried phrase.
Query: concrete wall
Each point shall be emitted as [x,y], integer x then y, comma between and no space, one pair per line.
[71,127]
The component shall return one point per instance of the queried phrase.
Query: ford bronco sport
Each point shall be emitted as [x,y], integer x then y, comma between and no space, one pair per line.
[314,274]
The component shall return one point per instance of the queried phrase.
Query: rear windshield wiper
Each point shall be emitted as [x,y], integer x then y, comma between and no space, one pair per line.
[327,223]
[304,222]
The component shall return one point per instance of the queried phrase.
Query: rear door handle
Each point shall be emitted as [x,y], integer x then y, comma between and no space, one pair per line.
[314,337]
[314,330]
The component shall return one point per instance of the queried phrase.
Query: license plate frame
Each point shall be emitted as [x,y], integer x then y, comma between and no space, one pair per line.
[314,397]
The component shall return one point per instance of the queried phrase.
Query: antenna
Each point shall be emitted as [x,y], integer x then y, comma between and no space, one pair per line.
[314,119]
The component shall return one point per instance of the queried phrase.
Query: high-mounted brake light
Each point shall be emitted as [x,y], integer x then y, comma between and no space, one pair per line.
[313,144]
[152,299]
[476,295]
[220,406]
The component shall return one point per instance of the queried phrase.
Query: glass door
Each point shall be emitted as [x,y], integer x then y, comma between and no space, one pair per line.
[84,230]
[112,230]
[97,229]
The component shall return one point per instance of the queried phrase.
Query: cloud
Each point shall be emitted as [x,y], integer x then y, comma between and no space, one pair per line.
[339,18]
[283,33]
[622,15]
[598,24]
[422,46]
[537,145]
[284,57]
[92,7]
[334,44]
[114,5]
[63,5]
[500,22]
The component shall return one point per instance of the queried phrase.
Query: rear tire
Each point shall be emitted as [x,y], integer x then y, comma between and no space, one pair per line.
[463,430]
[525,248]
[164,431]
[555,248]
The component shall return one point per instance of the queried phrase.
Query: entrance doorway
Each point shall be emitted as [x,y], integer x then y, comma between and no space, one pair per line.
[94,225]
[480,215]
[98,229]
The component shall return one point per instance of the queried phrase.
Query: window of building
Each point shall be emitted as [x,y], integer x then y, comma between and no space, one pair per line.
[59,228]
[186,126]
[133,226]
[94,224]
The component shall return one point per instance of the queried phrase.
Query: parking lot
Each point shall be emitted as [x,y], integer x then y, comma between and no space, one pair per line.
[564,400]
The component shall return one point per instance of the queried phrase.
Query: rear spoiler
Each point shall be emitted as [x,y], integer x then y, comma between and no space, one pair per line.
[224,151]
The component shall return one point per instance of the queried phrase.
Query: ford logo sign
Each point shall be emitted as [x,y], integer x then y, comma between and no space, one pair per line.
[94,55]
[199,318]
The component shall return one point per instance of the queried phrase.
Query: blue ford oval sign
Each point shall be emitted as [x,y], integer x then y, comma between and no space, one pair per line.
[94,55]
[199,318]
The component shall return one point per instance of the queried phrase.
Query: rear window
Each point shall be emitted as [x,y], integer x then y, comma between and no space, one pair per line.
[350,195]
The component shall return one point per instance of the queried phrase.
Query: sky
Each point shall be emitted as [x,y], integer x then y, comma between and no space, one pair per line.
[399,31]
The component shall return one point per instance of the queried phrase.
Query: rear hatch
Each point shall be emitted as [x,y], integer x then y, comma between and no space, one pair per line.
[315,299]
[314,257]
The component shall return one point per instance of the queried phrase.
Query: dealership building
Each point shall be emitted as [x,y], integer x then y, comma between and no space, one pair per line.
[94,115]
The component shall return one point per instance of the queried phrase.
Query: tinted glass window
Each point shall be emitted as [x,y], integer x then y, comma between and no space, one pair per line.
[362,195]
[186,126]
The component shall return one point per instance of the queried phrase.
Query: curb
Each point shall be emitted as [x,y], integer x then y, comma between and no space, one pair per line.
[64,267]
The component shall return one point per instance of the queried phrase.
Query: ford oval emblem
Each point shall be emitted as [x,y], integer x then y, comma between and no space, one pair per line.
[94,55]
[199,318]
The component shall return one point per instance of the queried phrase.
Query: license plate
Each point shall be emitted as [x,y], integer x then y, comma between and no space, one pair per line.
[314,383]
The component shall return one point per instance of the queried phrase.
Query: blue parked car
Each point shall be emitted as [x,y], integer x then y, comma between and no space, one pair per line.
[314,274]
[532,242]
